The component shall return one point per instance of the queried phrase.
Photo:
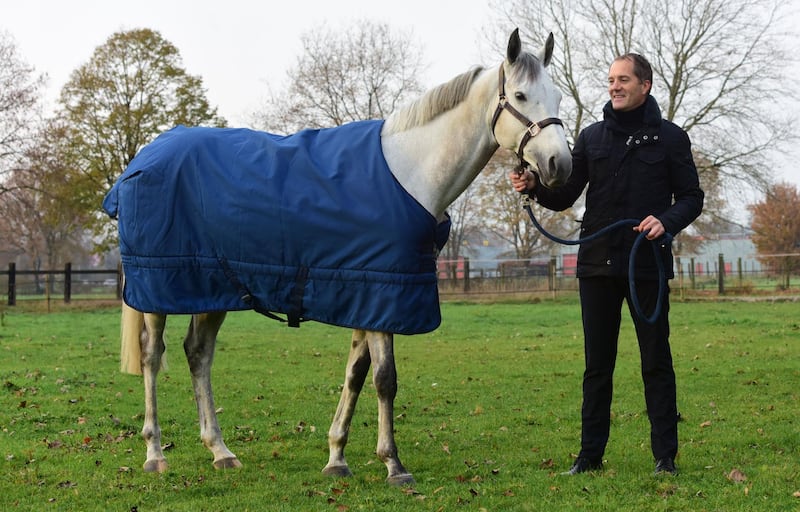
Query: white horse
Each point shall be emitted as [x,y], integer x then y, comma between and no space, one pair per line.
[434,148]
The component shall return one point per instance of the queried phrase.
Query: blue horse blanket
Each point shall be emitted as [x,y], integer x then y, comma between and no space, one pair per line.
[312,225]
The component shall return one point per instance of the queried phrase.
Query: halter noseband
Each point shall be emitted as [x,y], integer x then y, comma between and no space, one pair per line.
[532,129]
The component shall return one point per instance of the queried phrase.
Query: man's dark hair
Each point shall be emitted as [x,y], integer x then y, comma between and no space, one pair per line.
[641,67]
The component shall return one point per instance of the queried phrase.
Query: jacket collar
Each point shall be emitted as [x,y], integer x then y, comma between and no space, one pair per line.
[647,133]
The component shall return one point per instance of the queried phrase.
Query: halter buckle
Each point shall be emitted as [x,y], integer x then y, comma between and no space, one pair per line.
[534,129]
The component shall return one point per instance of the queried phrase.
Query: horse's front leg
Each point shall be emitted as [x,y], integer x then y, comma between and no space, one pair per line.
[152,349]
[384,376]
[355,374]
[199,348]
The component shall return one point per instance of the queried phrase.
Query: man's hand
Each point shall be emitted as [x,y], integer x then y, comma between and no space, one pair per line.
[522,182]
[653,224]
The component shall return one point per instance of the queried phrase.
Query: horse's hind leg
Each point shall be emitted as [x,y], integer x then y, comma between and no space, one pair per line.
[199,347]
[356,373]
[384,376]
[152,349]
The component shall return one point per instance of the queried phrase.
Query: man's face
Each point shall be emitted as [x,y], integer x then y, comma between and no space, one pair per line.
[626,90]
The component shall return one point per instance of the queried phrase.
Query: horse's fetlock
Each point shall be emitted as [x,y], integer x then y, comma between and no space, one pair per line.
[149,433]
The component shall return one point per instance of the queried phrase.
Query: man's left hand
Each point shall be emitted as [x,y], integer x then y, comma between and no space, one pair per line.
[653,224]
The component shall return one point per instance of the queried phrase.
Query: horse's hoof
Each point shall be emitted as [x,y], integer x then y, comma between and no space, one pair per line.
[228,463]
[337,471]
[400,480]
[155,466]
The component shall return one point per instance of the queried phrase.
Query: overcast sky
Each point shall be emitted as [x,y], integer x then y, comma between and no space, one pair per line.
[240,48]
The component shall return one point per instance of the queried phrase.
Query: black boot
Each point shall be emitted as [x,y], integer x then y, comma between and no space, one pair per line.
[584,464]
[665,466]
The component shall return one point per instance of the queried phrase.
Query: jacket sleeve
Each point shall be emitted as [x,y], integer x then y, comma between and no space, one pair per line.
[563,197]
[684,182]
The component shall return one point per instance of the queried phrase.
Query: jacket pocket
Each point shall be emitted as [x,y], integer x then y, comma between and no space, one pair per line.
[597,157]
[652,173]
[651,156]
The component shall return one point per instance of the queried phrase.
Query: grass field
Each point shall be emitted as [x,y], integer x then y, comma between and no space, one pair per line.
[487,415]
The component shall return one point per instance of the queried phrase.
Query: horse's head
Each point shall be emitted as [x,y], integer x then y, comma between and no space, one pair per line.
[526,118]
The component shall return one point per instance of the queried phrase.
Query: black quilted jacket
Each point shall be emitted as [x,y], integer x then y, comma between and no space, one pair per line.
[632,170]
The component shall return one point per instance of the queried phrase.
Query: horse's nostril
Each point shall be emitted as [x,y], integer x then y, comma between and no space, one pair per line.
[556,172]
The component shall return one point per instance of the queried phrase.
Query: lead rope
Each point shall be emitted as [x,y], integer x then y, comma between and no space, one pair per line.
[663,241]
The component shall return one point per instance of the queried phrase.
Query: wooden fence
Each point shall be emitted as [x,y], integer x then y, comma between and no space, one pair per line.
[66,283]
[462,279]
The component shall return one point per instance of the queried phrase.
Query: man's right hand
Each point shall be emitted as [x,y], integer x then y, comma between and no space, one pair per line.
[523,182]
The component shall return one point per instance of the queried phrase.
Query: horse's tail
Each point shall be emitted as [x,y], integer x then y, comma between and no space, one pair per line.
[130,354]
[131,349]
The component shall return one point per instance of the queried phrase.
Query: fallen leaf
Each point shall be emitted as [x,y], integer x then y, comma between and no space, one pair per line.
[736,476]
[705,424]
[446,448]
[546,464]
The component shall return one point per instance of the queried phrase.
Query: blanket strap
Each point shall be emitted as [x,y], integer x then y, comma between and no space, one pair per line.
[253,302]
[296,299]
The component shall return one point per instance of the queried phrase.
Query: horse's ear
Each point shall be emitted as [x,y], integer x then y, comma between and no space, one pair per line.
[546,53]
[514,47]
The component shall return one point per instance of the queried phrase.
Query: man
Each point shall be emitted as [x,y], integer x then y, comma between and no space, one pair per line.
[636,166]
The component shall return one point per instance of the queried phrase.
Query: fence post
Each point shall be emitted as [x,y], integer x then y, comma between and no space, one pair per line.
[721,273]
[551,274]
[739,269]
[12,284]
[67,282]
[466,275]
[691,272]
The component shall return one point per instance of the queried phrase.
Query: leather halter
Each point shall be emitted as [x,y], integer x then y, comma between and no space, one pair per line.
[532,128]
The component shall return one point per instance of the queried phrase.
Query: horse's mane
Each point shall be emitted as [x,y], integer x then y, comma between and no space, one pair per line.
[434,102]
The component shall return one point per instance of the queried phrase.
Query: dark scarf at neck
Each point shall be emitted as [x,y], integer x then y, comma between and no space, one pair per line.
[630,120]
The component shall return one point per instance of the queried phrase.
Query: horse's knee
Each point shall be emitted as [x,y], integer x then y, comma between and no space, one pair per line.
[385,380]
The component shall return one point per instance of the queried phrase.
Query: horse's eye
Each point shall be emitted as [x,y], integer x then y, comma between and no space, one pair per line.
[520,96]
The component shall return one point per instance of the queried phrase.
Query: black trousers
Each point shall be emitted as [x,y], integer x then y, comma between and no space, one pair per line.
[601,305]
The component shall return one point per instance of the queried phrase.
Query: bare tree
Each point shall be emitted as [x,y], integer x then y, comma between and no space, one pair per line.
[19,106]
[715,64]
[364,71]
[501,212]
[37,215]
[464,224]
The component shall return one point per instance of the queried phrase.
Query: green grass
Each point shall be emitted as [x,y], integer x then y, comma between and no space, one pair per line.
[487,415]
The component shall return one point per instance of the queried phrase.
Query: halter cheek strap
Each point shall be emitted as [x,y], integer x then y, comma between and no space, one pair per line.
[532,128]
